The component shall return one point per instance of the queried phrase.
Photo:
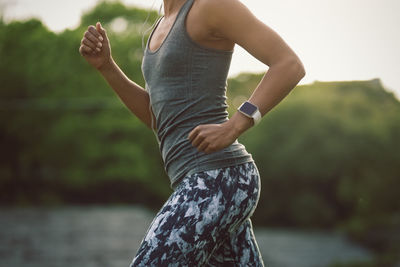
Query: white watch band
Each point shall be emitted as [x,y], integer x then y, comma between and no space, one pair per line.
[257,117]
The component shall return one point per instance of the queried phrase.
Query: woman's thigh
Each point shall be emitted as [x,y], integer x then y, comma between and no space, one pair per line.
[203,211]
[239,250]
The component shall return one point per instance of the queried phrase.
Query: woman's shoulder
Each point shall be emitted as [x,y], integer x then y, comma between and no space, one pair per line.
[210,7]
[221,15]
[228,20]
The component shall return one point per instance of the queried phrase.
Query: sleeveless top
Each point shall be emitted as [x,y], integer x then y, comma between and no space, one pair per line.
[186,83]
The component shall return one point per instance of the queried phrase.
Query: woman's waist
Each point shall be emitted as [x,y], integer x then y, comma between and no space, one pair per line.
[178,128]
[182,152]
[193,161]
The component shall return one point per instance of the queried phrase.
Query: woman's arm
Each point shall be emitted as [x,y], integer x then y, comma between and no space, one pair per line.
[133,96]
[240,26]
[95,48]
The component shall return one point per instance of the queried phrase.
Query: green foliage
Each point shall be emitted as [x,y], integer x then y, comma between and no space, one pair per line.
[65,135]
[107,11]
[328,157]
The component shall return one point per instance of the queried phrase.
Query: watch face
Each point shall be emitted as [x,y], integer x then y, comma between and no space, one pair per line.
[248,108]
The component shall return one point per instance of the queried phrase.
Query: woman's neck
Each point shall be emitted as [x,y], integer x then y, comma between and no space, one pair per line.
[172,6]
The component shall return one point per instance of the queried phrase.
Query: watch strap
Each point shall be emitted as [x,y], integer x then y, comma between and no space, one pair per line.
[257,117]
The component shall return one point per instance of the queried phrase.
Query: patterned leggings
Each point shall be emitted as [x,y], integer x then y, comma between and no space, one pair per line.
[206,222]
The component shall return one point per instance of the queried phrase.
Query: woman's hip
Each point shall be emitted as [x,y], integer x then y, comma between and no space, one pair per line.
[236,186]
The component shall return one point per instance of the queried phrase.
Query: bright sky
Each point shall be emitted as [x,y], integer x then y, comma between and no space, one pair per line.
[335,39]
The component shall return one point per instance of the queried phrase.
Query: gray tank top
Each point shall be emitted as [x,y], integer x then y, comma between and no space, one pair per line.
[186,83]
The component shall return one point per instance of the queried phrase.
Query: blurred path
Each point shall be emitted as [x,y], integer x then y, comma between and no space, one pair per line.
[109,236]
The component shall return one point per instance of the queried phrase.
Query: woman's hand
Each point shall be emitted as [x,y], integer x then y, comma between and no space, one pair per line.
[213,137]
[95,46]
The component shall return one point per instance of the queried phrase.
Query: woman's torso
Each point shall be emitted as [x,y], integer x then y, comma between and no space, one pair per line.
[186,82]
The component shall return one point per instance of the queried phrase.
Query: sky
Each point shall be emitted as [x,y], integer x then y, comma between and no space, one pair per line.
[336,40]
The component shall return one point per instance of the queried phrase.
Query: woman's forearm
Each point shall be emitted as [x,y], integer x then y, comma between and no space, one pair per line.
[131,94]
[279,80]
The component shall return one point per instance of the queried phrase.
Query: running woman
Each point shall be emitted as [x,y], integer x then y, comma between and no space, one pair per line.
[206,220]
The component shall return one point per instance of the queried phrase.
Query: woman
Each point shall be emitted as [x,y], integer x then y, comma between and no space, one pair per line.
[206,220]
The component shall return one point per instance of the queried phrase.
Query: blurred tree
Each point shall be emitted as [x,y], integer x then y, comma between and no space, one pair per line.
[328,157]
[64,132]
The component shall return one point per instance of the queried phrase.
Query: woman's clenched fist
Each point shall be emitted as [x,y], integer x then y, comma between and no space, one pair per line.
[95,46]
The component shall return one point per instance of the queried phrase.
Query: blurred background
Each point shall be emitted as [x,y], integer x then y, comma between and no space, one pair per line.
[81,178]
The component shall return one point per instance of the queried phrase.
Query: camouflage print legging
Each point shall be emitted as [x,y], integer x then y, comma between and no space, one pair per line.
[206,222]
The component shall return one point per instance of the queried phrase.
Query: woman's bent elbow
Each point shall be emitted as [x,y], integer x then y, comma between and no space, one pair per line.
[294,67]
[302,70]
[299,69]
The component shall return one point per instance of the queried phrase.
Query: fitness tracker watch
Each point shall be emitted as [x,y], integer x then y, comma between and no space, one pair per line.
[250,110]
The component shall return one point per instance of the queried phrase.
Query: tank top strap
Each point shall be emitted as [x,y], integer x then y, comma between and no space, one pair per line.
[181,17]
[177,29]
